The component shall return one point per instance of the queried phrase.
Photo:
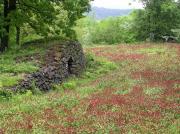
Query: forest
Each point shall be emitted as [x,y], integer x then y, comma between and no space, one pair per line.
[158,20]
[64,69]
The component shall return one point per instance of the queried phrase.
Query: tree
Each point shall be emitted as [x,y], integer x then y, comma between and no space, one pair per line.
[140,24]
[161,16]
[41,15]
[8,7]
[75,9]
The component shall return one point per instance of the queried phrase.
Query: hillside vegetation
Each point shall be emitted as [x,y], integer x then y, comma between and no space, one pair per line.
[125,89]
[125,80]
[159,21]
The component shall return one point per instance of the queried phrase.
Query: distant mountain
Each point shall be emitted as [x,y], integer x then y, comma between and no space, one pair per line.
[102,13]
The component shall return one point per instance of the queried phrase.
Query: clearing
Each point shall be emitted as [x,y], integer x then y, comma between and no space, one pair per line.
[125,89]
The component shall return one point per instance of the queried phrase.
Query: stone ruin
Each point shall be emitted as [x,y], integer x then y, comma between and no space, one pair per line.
[61,61]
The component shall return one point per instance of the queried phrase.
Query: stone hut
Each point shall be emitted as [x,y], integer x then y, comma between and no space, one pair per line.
[61,61]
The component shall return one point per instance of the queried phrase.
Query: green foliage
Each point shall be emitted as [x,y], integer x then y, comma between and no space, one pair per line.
[7,80]
[84,29]
[33,90]
[176,86]
[153,50]
[157,20]
[12,71]
[5,95]
[126,86]
[35,19]
[26,67]
[108,31]
[177,33]
[122,92]
[27,102]
[98,66]
[95,67]
[114,30]
[69,85]
[101,100]
[152,91]
[174,128]
[140,25]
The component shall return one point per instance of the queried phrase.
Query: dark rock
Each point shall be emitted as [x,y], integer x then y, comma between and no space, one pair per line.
[61,61]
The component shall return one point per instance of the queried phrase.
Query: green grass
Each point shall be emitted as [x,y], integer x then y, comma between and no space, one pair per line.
[174,128]
[126,86]
[24,67]
[74,83]
[176,86]
[153,91]
[9,80]
[70,85]
[30,103]
[96,67]
[72,104]
[11,71]
[122,91]
[5,95]
[153,50]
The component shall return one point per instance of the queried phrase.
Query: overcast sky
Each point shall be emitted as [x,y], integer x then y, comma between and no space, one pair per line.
[117,4]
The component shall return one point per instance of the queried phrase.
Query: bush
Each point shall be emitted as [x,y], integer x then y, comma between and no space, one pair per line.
[108,31]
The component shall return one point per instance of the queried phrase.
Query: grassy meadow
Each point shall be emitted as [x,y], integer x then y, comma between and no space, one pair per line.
[124,89]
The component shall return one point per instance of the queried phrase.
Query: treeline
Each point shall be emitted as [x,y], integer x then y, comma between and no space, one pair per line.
[159,20]
[22,18]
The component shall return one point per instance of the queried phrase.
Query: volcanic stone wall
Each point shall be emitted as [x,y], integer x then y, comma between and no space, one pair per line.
[61,61]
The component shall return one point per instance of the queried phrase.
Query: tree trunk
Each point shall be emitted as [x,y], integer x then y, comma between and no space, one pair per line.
[9,5]
[18,32]
[5,36]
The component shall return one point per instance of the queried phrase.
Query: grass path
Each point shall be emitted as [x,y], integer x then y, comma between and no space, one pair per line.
[136,91]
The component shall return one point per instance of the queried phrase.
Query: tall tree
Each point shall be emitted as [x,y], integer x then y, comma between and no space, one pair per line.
[41,15]
[161,16]
[9,6]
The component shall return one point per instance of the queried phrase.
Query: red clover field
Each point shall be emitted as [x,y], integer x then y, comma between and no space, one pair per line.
[127,89]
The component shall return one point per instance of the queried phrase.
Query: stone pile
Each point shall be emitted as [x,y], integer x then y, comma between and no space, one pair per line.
[61,61]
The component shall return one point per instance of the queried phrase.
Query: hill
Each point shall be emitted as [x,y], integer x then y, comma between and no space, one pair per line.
[102,13]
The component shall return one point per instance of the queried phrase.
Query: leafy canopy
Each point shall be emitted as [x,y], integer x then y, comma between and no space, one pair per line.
[46,17]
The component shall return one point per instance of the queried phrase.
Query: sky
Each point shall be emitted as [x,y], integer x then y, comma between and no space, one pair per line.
[117,4]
